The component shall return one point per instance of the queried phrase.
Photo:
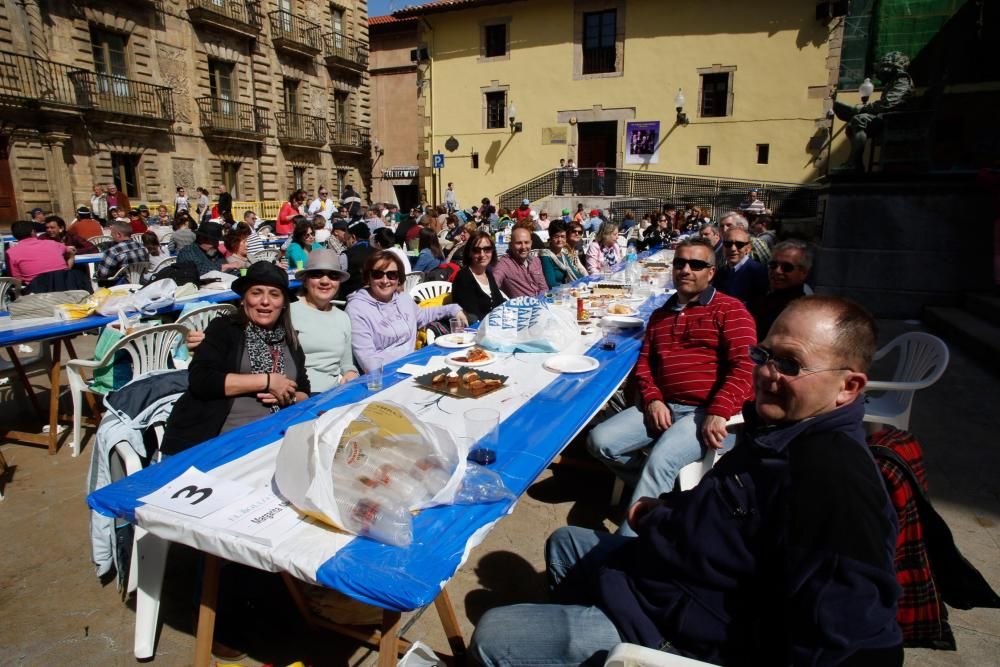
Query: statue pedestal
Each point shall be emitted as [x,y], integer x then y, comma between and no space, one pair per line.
[898,244]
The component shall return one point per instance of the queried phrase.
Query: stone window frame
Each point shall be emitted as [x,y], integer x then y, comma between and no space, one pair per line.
[494,87]
[730,96]
[581,7]
[483,24]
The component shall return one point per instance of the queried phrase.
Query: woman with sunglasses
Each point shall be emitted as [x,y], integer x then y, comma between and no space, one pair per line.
[474,288]
[384,320]
[303,242]
[559,265]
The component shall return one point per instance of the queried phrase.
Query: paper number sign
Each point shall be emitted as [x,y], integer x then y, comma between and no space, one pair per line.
[196,494]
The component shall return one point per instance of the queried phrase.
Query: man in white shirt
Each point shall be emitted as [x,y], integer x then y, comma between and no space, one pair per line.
[323,205]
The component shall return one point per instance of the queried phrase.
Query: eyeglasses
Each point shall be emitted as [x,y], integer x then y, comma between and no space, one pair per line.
[390,275]
[789,367]
[695,264]
[786,267]
[738,244]
[323,194]
[482,249]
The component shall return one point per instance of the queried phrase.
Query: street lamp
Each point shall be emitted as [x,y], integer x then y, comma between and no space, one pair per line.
[515,125]
[679,100]
[865,90]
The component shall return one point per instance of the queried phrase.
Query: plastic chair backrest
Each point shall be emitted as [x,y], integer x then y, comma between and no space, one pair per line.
[102,242]
[133,272]
[922,361]
[267,255]
[149,349]
[169,261]
[137,237]
[430,290]
[166,238]
[412,280]
[6,284]
[198,319]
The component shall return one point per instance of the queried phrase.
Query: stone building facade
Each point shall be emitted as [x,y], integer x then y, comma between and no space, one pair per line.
[260,96]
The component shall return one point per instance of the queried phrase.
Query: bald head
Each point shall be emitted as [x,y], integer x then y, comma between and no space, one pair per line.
[855,332]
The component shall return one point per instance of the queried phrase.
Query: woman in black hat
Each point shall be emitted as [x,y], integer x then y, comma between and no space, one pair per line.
[248,365]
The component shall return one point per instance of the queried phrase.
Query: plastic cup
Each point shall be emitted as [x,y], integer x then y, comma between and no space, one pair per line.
[374,377]
[299,264]
[456,325]
[482,426]
[243,272]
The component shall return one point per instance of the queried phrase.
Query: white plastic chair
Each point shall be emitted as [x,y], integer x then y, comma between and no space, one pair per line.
[434,288]
[198,319]
[101,241]
[166,238]
[132,273]
[169,261]
[6,285]
[150,350]
[137,237]
[412,280]
[923,359]
[633,655]
[266,255]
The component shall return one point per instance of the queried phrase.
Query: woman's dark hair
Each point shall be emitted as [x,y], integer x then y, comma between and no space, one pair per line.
[378,257]
[302,227]
[151,242]
[474,241]
[233,240]
[181,219]
[384,238]
[629,214]
[557,227]
[296,194]
[428,239]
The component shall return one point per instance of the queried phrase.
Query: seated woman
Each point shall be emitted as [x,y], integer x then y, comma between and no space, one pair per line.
[384,321]
[559,265]
[457,253]
[324,332]
[430,251]
[235,243]
[303,242]
[157,254]
[603,253]
[474,289]
[383,238]
[247,366]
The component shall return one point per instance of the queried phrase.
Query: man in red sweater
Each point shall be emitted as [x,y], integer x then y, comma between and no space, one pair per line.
[694,373]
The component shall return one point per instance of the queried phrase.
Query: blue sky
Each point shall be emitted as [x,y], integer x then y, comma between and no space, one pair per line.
[382,7]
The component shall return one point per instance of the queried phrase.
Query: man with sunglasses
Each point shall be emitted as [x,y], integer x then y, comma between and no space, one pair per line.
[693,374]
[786,276]
[782,555]
[741,277]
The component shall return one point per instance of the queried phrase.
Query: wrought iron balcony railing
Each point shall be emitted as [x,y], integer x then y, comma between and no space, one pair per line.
[343,51]
[346,136]
[234,119]
[118,95]
[37,81]
[299,129]
[293,33]
[243,16]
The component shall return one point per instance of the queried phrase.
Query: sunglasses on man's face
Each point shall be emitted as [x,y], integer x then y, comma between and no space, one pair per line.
[788,367]
[786,267]
[390,275]
[695,264]
[738,244]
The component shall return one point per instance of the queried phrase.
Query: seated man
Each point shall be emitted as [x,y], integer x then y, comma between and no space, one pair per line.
[786,277]
[693,374]
[204,252]
[124,251]
[783,554]
[34,256]
[710,231]
[741,277]
[518,273]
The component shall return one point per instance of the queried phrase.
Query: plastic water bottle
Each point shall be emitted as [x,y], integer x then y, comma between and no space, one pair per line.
[379,520]
[631,264]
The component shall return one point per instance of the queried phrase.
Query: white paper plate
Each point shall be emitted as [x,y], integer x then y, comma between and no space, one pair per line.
[470,364]
[571,363]
[456,340]
[621,321]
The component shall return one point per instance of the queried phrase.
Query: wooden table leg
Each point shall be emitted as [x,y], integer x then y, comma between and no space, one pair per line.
[24,380]
[449,621]
[54,390]
[206,612]
[388,647]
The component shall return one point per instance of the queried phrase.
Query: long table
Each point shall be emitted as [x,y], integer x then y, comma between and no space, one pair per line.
[394,579]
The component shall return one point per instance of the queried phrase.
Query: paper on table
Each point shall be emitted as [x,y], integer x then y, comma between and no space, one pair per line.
[433,364]
[262,517]
[196,494]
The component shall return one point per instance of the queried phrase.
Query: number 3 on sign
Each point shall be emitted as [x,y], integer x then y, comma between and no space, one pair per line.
[196,494]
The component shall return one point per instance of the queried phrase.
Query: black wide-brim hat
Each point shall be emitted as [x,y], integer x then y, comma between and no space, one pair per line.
[211,231]
[264,273]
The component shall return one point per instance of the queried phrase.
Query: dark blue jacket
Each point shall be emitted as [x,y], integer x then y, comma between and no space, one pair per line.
[747,284]
[783,554]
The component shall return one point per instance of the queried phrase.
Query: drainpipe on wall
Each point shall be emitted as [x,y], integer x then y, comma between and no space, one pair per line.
[430,102]
[259,148]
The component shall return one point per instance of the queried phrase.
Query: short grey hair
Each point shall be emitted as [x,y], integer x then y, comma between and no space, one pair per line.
[738,220]
[801,246]
[122,227]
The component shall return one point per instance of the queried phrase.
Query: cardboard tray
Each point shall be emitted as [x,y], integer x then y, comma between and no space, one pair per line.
[460,390]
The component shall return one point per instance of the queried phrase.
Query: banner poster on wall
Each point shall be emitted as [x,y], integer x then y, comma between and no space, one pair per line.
[642,142]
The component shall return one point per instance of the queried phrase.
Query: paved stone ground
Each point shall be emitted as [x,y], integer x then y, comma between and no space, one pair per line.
[54,611]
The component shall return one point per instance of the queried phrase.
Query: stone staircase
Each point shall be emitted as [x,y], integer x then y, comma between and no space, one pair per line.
[975,327]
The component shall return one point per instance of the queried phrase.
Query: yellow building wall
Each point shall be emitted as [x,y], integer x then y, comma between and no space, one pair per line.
[778,47]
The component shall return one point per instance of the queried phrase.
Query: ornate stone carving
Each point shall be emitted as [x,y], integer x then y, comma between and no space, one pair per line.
[173,72]
[183,171]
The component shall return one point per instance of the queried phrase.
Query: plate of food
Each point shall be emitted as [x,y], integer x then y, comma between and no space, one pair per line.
[621,321]
[462,382]
[621,309]
[473,357]
[456,340]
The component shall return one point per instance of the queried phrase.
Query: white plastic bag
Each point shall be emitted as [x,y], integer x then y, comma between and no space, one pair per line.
[527,324]
[364,468]
[146,301]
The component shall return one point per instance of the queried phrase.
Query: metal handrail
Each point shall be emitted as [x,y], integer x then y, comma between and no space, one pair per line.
[717,195]
[241,11]
[286,25]
[300,126]
[340,46]
[348,134]
[228,115]
[29,78]
[121,95]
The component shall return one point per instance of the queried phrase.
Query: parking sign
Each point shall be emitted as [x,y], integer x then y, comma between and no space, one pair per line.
[438,160]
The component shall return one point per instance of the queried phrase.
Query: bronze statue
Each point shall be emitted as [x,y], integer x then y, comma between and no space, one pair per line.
[864,119]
